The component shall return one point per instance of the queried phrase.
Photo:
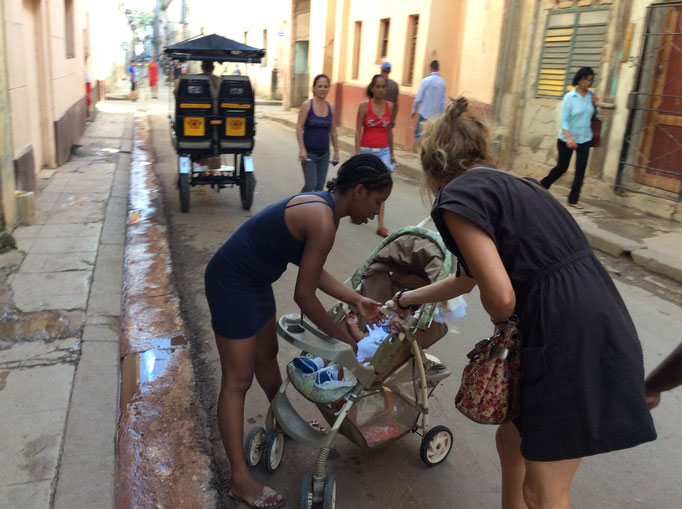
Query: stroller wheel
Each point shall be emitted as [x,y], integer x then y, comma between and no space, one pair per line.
[436,445]
[329,501]
[253,447]
[305,500]
[274,450]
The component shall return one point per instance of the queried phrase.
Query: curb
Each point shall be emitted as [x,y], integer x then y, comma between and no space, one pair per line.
[161,460]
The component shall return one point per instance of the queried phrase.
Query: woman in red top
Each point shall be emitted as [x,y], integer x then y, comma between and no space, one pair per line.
[373,133]
[153,73]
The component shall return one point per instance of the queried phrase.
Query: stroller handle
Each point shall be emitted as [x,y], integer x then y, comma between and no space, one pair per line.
[306,337]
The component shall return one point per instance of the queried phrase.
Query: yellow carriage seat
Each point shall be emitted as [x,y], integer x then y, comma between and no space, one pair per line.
[235,108]
[194,105]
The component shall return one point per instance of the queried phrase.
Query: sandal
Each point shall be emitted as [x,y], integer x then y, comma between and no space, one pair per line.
[267,495]
[382,232]
[576,206]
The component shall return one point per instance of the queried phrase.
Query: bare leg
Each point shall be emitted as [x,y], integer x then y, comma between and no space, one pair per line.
[238,364]
[267,369]
[547,483]
[531,484]
[513,465]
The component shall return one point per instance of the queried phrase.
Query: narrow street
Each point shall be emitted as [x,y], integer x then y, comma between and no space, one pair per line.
[644,477]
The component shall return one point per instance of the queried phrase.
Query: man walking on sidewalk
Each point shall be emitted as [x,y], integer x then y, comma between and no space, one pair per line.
[392,91]
[430,100]
[133,79]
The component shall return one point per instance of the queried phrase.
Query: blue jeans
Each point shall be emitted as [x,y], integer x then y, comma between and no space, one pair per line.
[418,129]
[315,171]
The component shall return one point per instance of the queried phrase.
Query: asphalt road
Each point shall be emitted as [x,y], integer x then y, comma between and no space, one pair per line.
[644,477]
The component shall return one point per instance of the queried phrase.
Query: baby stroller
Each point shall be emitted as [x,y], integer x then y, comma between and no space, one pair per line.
[390,398]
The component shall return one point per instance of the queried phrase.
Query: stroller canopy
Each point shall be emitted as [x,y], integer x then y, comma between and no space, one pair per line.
[215,48]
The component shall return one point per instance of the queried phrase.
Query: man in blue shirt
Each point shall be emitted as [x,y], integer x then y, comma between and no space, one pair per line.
[133,79]
[430,100]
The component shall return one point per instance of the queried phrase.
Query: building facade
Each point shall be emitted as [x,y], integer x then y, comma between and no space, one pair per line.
[349,39]
[635,49]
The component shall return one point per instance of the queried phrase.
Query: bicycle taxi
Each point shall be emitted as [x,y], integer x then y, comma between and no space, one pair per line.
[213,116]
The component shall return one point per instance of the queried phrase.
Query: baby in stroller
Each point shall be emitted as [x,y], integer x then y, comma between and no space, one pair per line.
[368,342]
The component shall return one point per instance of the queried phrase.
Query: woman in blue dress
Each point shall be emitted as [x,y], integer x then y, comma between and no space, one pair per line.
[300,230]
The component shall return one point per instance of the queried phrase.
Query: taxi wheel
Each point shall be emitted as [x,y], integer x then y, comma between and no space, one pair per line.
[247,186]
[183,183]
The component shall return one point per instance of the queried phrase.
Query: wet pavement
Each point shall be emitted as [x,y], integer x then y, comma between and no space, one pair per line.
[159,449]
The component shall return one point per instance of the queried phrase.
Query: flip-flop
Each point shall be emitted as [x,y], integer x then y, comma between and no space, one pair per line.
[266,495]
[576,206]
[383,232]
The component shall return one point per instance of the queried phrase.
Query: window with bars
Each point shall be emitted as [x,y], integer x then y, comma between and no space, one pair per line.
[411,53]
[382,49]
[574,38]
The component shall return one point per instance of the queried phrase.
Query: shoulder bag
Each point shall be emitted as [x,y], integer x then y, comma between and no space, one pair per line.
[491,382]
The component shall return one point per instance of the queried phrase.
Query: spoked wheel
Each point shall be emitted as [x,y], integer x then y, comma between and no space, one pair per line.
[254,446]
[273,450]
[247,186]
[436,445]
[329,500]
[183,184]
[305,499]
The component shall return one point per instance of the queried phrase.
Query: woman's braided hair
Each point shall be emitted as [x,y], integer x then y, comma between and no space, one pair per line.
[453,143]
[365,169]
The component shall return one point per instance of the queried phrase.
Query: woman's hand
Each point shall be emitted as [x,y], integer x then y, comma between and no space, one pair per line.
[595,100]
[370,310]
[302,155]
[653,399]
[404,302]
[571,143]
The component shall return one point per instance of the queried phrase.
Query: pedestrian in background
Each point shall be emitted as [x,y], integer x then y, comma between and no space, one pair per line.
[314,129]
[392,91]
[430,100]
[153,74]
[88,92]
[132,73]
[582,373]
[301,230]
[575,133]
[373,133]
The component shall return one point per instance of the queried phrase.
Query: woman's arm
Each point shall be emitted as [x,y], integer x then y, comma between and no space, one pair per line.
[319,232]
[484,262]
[302,114]
[334,136]
[358,125]
[369,309]
[390,132]
[445,289]
[564,122]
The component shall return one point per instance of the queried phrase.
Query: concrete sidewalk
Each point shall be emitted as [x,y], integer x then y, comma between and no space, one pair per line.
[60,329]
[653,243]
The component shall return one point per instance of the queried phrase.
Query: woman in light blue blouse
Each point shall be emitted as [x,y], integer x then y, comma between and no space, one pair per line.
[577,109]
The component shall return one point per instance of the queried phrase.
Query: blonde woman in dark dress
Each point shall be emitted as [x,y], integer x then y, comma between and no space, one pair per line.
[583,377]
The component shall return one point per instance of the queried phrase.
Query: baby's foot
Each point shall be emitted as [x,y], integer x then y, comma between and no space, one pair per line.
[308,365]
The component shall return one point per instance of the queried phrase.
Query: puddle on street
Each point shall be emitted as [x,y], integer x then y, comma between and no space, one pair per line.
[140,370]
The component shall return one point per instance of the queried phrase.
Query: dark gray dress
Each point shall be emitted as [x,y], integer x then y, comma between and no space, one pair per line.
[583,377]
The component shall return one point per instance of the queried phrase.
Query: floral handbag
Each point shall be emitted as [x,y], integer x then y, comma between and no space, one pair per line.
[491,382]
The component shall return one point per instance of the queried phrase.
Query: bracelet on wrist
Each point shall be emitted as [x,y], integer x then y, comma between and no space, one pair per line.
[397,301]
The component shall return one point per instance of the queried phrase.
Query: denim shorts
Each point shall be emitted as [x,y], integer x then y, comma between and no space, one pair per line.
[382,153]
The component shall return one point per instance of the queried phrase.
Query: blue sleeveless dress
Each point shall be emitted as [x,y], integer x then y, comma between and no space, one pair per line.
[239,276]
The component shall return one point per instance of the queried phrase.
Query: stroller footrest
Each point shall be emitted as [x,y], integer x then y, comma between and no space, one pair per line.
[295,426]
